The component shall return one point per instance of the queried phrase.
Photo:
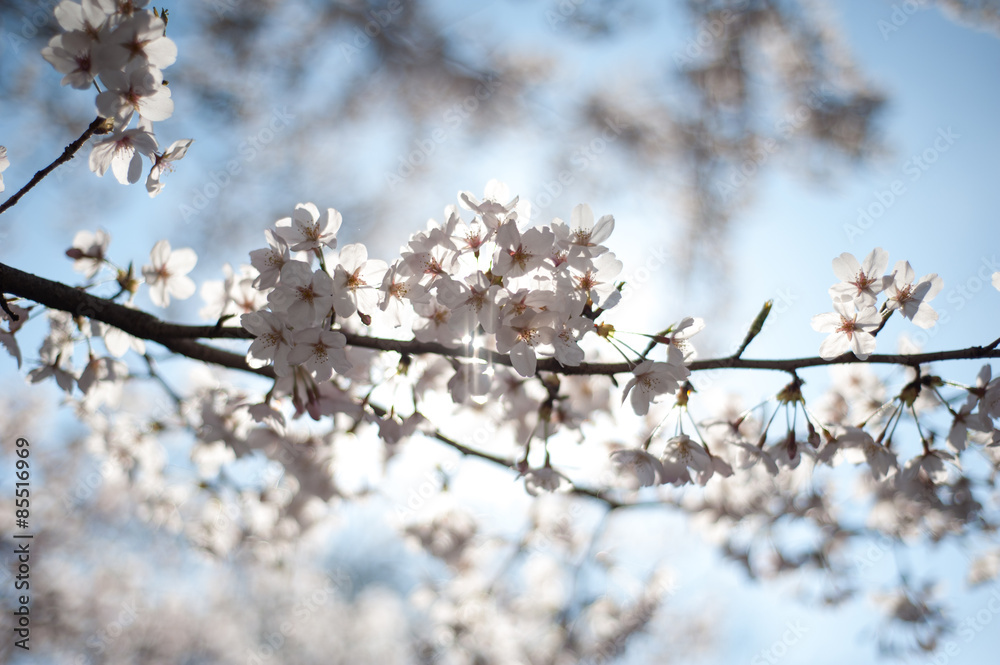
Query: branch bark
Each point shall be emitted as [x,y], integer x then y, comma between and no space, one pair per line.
[182,338]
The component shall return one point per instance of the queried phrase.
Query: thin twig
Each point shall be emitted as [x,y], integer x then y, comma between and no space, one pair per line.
[67,155]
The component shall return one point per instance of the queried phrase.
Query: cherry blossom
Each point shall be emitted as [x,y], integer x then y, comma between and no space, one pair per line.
[650,379]
[471,237]
[7,338]
[122,151]
[355,281]
[102,370]
[680,334]
[136,89]
[750,455]
[76,55]
[911,299]
[397,294]
[124,47]
[964,420]
[848,330]
[163,163]
[269,261]
[439,323]
[478,294]
[167,274]
[519,336]
[321,352]
[989,403]
[471,379]
[519,254]
[593,280]
[543,479]
[55,355]
[857,447]
[307,230]
[88,251]
[492,209]
[142,37]
[861,282]
[118,342]
[426,259]
[643,469]
[931,464]
[233,296]
[582,237]
[89,17]
[568,333]
[304,296]
[681,456]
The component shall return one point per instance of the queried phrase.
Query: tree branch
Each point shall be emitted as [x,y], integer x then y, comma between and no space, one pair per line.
[67,155]
[181,338]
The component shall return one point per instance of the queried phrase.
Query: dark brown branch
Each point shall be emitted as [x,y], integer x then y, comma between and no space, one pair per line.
[67,155]
[209,354]
[181,338]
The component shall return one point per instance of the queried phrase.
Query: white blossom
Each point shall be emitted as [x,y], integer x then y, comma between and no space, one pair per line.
[167,274]
[848,330]
[651,379]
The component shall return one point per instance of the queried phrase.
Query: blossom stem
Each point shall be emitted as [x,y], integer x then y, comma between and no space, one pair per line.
[920,430]
[885,314]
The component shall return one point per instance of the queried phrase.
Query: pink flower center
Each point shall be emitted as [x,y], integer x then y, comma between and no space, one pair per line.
[862,281]
[848,327]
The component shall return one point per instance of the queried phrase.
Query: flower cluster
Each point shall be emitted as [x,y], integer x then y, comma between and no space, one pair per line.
[855,320]
[489,285]
[121,49]
[102,378]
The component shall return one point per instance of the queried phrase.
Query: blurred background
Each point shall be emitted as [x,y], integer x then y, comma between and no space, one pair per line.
[740,145]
